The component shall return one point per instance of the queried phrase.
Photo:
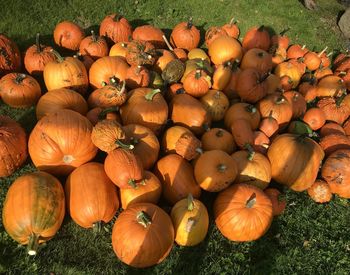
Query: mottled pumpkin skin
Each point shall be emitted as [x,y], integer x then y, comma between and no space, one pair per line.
[10,57]
[34,204]
[13,146]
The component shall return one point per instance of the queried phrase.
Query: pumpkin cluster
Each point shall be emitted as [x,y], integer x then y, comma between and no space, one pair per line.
[133,120]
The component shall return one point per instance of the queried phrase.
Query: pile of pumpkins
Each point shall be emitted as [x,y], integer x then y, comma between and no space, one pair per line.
[170,121]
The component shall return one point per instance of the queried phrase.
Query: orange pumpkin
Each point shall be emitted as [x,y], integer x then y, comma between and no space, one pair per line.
[185,36]
[165,57]
[320,191]
[322,72]
[212,33]
[118,49]
[280,40]
[243,111]
[334,109]
[115,28]
[315,118]
[232,29]
[289,69]
[97,203]
[256,37]
[216,103]
[61,141]
[140,53]
[96,114]
[222,76]
[242,133]
[296,51]
[225,49]
[308,90]
[251,85]
[257,59]
[312,61]
[331,128]
[10,56]
[269,126]
[334,142]
[218,139]
[230,89]
[261,142]
[278,203]
[151,34]
[243,213]
[197,83]
[298,103]
[137,76]
[330,85]
[68,35]
[94,46]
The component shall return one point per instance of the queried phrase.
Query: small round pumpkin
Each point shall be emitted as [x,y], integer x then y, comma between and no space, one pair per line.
[315,118]
[185,35]
[197,83]
[298,103]
[116,28]
[191,221]
[243,213]
[224,49]
[94,46]
[296,51]
[216,103]
[218,139]
[232,29]
[143,229]
[68,35]
[19,90]
[245,111]
[320,191]
[278,202]
[257,37]
[251,85]
[261,142]
[212,33]
[118,49]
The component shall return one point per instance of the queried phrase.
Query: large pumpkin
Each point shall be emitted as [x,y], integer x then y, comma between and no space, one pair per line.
[91,197]
[10,56]
[13,146]
[143,235]
[61,141]
[243,213]
[34,209]
[66,72]
[295,161]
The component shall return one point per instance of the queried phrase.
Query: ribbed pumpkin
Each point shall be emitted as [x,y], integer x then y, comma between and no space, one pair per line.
[224,49]
[19,90]
[143,229]
[61,141]
[34,209]
[177,178]
[320,191]
[66,72]
[335,171]
[197,83]
[147,190]
[147,107]
[145,142]
[10,56]
[295,161]
[13,146]
[257,37]
[191,221]
[215,170]
[232,29]
[124,168]
[68,35]
[334,142]
[91,197]
[243,111]
[116,28]
[218,139]
[212,33]
[106,68]
[243,213]
[94,46]
[257,59]
[140,53]
[118,49]
[251,85]
[331,128]
[149,33]
[216,103]
[185,35]
[59,99]
[253,168]
[334,109]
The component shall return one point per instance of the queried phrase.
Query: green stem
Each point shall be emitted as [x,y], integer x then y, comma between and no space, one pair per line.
[149,96]
[93,36]
[190,23]
[251,109]
[340,100]
[284,31]
[33,244]
[219,133]
[221,167]
[103,114]
[251,201]
[58,56]
[143,218]
[19,78]
[97,226]
[132,183]
[251,151]
[261,28]
[37,42]
[124,146]
[198,74]
[190,203]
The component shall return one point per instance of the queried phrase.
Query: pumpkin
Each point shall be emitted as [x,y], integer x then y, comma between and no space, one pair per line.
[137,76]
[165,57]
[34,209]
[308,90]
[145,142]
[300,128]
[269,126]
[224,49]
[315,118]
[278,202]
[296,51]
[280,40]
[286,83]
[146,107]
[345,76]
[215,170]
[243,111]
[13,146]
[110,95]
[299,63]
[230,89]
[151,34]
[196,64]
[182,141]
[96,114]
[66,72]
[312,61]
[198,53]
[261,142]
[346,127]
[276,106]
[59,99]
[216,103]
[181,54]
[188,112]
[177,178]
[87,60]
[242,132]
[336,172]
[173,89]
[232,29]
[331,128]
[185,35]
[197,83]
[322,72]
[19,90]
[341,61]
[257,59]
[320,191]
[212,33]
[91,197]
[298,103]
[124,168]
[334,142]
[94,46]
[61,141]
[140,53]
[218,139]
[295,160]
[68,35]
[279,55]
[173,71]
[253,168]
[118,49]
[115,28]
[289,69]
[106,68]
[148,190]
[330,85]
[243,213]
[222,76]
[37,56]
[251,85]
[107,135]
[143,229]
[334,109]
[256,37]
[10,56]
[191,221]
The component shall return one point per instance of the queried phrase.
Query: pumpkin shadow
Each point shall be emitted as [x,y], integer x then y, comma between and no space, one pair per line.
[140,22]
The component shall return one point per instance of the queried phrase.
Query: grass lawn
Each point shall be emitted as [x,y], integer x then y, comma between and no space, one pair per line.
[307,239]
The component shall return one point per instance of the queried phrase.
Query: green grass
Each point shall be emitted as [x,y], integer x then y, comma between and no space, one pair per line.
[307,239]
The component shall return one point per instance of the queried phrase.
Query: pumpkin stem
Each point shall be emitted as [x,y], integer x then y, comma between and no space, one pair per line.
[37,42]
[117,17]
[221,167]
[134,140]
[319,55]
[261,28]
[103,114]
[219,133]
[180,91]
[251,152]
[132,183]
[328,55]
[251,201]
[206,127]
[303,47]
[93,36]
[233,21]
[167,43]
[190,203]
[284,31]
[198,74]
[97,226]
[124,146]
[199,150]
[19,78]
[149,96]
[58,56]
[342,73]
[33,244]
[280,100]
[190,23]
[251,109]
[340,99]
[144,219]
